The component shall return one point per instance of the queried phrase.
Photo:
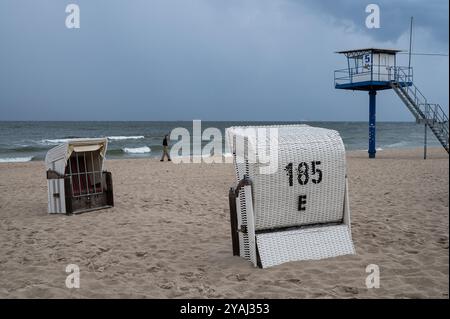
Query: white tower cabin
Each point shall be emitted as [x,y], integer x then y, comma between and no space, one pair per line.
[369,69]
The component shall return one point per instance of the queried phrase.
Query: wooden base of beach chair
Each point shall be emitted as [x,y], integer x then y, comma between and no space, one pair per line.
[100,200]
[63,200]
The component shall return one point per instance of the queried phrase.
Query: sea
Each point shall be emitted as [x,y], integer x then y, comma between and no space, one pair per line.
[30,141]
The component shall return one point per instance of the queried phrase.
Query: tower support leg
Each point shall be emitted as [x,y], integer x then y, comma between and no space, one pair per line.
[425,143]
[372,123]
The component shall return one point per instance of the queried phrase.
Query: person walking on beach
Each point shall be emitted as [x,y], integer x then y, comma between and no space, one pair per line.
[165,149]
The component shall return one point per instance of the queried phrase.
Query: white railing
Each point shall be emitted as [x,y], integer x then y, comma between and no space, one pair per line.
[430,113]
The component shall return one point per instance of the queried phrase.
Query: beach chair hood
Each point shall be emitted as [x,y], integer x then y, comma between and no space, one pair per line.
[56,158]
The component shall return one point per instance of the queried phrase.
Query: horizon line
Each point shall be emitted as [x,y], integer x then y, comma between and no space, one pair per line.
[274,121]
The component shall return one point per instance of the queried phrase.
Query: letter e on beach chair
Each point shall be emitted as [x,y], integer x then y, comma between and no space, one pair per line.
[297,211]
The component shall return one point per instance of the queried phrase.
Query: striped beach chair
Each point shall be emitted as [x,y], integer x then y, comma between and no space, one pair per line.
[76,179]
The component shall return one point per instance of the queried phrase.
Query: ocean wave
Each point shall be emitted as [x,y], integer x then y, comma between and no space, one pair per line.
[16,159]
[110,138]
[397,145]
[137,150]
[54,141]
[121,138]
[115,151]
[26,148]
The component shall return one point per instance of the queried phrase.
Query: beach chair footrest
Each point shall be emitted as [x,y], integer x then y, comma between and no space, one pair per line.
[275,248]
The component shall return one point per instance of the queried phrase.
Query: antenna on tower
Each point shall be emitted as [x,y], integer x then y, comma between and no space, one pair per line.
[410,46]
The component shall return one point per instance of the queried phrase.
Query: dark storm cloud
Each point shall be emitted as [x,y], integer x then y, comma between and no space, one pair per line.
[395,16]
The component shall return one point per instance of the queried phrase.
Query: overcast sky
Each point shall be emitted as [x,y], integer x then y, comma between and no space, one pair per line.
[207,59]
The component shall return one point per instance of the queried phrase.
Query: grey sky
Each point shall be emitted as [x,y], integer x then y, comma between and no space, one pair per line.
[431,15]
[206,59]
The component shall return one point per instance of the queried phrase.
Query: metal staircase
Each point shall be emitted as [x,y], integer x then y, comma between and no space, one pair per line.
[426,113]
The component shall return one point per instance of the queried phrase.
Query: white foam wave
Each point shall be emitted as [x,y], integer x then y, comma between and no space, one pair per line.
[397,145]
[121,138]
[16,159]
[54,141]
[111,138]
[137,150]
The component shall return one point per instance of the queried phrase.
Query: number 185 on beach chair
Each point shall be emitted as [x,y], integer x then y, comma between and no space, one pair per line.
[291,198]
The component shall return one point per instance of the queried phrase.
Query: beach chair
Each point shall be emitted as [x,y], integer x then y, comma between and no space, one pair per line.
[300,210]
[75,177]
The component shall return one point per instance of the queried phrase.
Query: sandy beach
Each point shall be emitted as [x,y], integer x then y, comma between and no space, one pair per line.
[169,236]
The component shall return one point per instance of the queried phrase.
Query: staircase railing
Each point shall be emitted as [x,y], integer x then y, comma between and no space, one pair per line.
[429,113]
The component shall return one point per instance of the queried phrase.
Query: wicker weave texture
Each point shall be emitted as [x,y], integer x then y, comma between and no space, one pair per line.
[276,200]
[241,169]
[305,244]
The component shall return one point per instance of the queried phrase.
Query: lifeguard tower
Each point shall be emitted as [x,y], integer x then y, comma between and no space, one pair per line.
[372,70]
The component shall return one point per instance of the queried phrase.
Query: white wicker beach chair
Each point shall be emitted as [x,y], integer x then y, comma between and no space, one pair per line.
[75,177]
[300,211]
